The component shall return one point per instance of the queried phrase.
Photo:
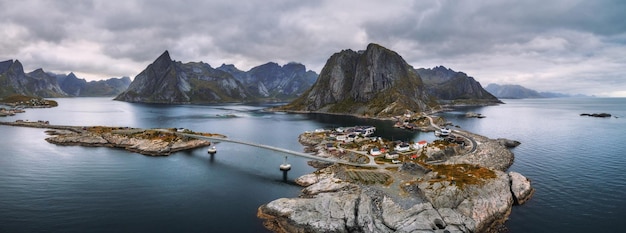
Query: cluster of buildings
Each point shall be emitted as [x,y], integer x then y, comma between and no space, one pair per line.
[360,138]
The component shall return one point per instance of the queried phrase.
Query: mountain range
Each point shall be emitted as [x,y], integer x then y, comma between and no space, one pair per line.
[373,82]
[510,91]
[378,82]
[38,83]
[169,81]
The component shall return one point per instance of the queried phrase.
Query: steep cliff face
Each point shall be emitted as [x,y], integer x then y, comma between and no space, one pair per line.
[449,86]
[167,81]
[13,80]
[374,82]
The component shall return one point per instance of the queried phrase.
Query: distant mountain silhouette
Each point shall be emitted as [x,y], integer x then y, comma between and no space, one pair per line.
[510,91]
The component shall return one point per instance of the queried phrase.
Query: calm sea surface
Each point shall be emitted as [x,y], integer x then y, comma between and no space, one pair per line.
[577,164]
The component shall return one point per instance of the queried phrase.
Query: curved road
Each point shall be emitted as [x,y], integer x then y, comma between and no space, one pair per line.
[474,143]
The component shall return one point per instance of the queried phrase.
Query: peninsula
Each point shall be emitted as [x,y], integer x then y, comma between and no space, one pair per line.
[457,183]
[152,142]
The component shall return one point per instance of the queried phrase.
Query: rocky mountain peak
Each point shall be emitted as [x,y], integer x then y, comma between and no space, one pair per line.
[72,76]
[452,87]
[162,62]
[4,65]
[375,82]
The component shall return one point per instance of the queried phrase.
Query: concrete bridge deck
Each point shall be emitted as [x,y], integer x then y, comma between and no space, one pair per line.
[278,149]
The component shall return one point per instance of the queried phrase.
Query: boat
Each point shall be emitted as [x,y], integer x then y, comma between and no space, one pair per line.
[368,130]
[212,150]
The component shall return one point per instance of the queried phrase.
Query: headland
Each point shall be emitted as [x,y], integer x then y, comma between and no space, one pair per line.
[152,142]
[457,183]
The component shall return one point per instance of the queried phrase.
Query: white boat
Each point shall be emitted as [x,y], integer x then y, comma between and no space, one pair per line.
[212,150]
[368,130]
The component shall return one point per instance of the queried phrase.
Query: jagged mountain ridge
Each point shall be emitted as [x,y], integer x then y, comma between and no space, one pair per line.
[13,80]
[169,81]
[451,87]
[77,87]
[271,80]
[39,83]
[375,82]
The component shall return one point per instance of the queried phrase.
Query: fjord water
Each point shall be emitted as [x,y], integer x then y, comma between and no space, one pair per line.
[576,164]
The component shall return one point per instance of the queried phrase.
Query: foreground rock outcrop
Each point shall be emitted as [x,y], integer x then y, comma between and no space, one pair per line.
[468,192]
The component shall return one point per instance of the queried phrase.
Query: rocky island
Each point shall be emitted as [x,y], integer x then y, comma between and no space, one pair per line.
[152,142]
[453,184]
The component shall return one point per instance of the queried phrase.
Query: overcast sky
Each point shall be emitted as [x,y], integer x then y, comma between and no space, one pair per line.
[566,46]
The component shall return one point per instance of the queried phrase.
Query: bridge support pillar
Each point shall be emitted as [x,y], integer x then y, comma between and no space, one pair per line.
[285,167]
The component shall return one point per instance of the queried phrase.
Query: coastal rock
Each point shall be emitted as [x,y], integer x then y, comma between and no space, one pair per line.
[521,188]
[421,216]
[328,212]
[508,142]
[490,153]
[601,115]
[307,180]
[467,192]
[328,185]
[484,205]
[474,115]
[146,146]
[76,139]
[353,211]
[312,178]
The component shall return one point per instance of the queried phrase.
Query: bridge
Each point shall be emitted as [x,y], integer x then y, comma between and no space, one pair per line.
[278,149]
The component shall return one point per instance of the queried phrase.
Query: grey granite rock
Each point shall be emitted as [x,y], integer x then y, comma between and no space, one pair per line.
[520,187]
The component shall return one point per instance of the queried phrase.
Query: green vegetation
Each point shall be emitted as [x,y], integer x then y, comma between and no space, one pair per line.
[28,101]
[99,129]
[461,174]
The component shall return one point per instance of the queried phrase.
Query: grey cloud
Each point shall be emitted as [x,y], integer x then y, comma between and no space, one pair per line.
[560,41]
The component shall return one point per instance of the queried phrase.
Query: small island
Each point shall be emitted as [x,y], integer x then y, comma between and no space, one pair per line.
[152,142]
[17,104]
[456,183]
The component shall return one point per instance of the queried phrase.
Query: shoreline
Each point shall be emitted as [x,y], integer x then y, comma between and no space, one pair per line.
[150,142]
[467,192]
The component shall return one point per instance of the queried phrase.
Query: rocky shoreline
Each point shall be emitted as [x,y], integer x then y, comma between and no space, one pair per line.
[467,192]
[152,142]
